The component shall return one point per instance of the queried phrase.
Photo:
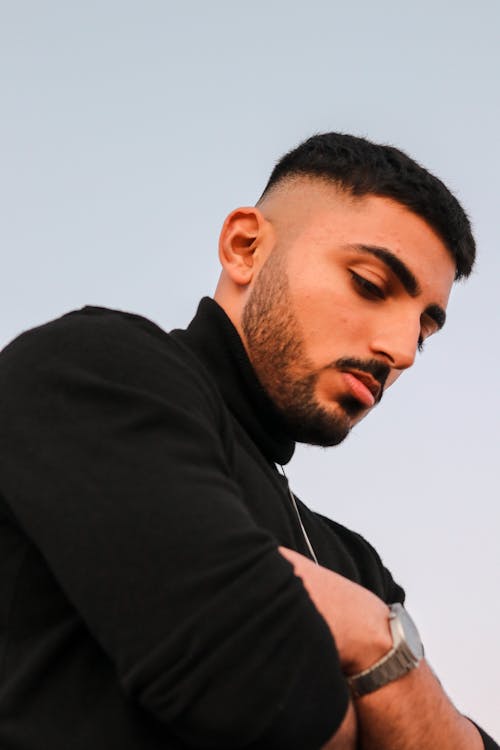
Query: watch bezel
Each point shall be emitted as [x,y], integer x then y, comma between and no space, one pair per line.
[407,632]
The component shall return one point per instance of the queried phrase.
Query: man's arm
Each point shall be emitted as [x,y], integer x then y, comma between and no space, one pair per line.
[411,713]
[115,459]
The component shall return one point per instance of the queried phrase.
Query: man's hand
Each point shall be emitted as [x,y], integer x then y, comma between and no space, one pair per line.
[358,619]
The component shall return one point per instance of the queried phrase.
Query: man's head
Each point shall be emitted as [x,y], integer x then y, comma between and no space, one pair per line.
[337,276]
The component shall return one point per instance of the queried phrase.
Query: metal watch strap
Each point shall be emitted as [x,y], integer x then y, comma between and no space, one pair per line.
[396,663]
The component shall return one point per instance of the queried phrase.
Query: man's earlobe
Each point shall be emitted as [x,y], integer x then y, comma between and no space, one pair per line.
[239,241]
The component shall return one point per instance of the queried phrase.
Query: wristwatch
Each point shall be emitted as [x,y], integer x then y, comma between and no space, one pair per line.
[406,652]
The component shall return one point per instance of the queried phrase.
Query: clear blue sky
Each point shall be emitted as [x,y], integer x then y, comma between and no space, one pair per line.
[129,129]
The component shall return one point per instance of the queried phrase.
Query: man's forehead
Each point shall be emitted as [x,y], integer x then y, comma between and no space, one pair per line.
[306,201]
[307,210]
[303,202]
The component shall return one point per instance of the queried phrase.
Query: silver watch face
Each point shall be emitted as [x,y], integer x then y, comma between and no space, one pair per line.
[408,630]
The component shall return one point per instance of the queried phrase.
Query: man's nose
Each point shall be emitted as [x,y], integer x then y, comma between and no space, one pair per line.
[397,343]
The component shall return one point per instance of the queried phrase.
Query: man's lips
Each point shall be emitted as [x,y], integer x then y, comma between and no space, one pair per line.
[363,386]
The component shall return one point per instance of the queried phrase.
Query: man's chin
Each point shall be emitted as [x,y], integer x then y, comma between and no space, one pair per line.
[325,428]
[321,438]
[322,431]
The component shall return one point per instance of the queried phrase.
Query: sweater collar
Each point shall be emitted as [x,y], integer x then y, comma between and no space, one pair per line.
[214,339]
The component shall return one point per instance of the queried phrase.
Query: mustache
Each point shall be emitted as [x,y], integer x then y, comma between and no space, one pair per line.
[373,367]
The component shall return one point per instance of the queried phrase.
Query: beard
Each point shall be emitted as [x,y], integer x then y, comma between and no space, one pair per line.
[276,350]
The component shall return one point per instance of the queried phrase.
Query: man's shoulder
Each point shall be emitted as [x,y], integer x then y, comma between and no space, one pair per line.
[114,345]
[89,325]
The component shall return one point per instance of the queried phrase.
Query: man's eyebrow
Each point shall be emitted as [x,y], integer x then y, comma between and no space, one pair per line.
[399,269]
[406,277]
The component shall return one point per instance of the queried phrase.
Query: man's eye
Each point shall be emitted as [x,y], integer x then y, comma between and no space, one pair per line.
[420,345]
[367,288]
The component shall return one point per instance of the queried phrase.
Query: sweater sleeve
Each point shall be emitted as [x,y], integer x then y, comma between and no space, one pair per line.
[112,462]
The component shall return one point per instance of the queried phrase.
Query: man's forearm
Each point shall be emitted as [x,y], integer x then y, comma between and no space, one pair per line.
[413,713]
[410,713]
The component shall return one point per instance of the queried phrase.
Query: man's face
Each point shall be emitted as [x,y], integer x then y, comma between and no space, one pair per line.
[340,305]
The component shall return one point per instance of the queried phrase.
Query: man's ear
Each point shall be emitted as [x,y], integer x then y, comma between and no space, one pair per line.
[241,243]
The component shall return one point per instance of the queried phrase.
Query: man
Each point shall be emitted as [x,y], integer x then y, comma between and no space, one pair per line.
[163,588]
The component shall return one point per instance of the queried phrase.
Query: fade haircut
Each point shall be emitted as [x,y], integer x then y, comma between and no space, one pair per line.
[361,167]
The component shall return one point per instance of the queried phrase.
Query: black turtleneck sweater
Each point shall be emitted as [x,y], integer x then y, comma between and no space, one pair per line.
[144,604]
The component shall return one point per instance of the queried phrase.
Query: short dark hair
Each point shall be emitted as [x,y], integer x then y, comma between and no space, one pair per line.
[361,168]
